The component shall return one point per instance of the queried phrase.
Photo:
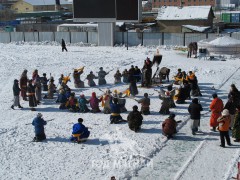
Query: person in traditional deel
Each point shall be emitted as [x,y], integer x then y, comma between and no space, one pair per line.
[169,126]
[23,85]
[117,77]
[216,108]
[135,119]
[16,91]
[101,77]
[31,95]
[145,104]
[39,123]
[90,78]
[94,103]
[80,133]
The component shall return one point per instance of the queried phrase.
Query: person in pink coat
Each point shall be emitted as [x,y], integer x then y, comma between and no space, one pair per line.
[94,103]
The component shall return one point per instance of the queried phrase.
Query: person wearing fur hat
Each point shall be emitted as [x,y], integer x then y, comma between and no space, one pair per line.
[16,91]
[94,103]
[39,123]
[31,95]
[117,77]
[194,110]
[135,119]
[82,101]
[105,99]
[90,78]
[224,122]
[236,125]
[169,126]
[101,77]
[80,133]
[51,90]
[23,85]
[216,108]
[145,102]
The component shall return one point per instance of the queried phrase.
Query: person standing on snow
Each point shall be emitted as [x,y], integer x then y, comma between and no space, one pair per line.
[224,122]
[236,125]
[90,78]
[64,45]
[23,85]
[16,91]
[194,110]
[31,95]
[101,77]
[216,108]
[145,102]
[39,123]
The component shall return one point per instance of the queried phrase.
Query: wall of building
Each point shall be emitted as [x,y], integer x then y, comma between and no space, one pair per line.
[22,7]
[159,3]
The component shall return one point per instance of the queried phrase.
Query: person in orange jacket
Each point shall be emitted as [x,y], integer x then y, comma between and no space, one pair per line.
[216,108]
[224,123]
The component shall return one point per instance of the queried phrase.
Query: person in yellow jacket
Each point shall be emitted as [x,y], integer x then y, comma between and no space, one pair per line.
[224,123]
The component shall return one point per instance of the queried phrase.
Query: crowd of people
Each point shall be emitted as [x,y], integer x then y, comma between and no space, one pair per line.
[184,87]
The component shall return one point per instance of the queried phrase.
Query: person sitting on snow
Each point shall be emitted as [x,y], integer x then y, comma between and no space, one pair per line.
[178,77]
[62,99]
[135,119]
[39,123]
[44,82]
[117,77]
[80,133]
[115,116]
[94,103]
[83,104]
[169,126]
[125,76]
[106,102]
[166,100]
[122,102]
[101,77]
[72,103]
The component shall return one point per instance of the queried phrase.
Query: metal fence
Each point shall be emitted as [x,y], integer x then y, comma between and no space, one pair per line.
[130,38]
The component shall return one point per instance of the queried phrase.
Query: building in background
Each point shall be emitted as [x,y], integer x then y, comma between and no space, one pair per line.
[171,18]
[23,6]
[160,3]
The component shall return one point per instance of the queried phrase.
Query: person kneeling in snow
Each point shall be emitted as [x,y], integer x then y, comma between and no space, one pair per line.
[80,133]
[115,112]
[39,123]
[169,126]
[135,119]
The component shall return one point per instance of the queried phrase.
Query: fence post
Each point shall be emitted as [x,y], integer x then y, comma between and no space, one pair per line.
[142,39]
[123,37]
[24,36]
[162,38]
[206,35]
[70,37]
[10,38]
[230,34]
[38,36]
[184,39]
[87,36]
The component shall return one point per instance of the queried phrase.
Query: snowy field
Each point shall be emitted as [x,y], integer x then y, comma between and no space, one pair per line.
[112,150]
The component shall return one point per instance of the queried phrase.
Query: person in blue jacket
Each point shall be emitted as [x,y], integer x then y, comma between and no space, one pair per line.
[39,123]
[115,116]
[80,133]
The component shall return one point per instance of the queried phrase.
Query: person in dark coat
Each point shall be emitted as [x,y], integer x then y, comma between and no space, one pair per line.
[145,102]
[125,76]
[115,116]
[101,77]
[230,106]
[190,50]
[169,126]
[16,91]
[171,93]
[64,45]
[76,76]
[135,119]
[23,85]
[31,95]
[194,110]
[44,82]
[236,125]
[117,77]
[39,123]
[165,97]
[122,102]
[192,79]
[137,74]
[80,133]
[90,78]
[133,86]
[164,74]
[195,48]
[235,94]
[62,99]
[180,96]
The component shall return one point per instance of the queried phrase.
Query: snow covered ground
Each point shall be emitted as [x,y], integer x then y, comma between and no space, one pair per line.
[112,150]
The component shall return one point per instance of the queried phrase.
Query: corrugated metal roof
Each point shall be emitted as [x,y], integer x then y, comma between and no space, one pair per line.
[45,2]
[183,13]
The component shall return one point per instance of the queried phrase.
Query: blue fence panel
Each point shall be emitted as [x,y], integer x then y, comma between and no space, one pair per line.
[16,36]
[77,37]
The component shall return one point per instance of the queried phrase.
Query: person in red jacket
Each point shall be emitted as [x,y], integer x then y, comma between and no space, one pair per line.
[216,108]
[169,126]
[224,123]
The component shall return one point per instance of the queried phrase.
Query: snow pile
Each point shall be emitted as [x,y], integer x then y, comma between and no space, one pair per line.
[224,41]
